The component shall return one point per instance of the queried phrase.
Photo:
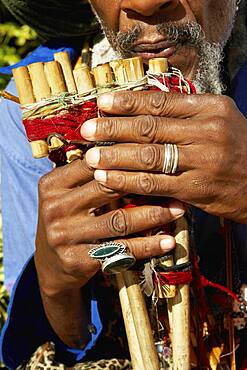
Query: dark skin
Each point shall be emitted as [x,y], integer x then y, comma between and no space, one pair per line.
[68,230]
[210,133]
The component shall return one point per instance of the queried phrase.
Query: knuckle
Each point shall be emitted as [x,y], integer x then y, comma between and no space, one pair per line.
[67,259]
[150,157]
[222,134]
[109,128]
[148,248]
[225,104]
[118,223]
[44,184]
[99,187]
[146,128]
[56,235]
[157,102]
[218,127]
[69,266]
[48,210]
[130,102]
[120,181]
[48,183]
[156,215]
[147,183]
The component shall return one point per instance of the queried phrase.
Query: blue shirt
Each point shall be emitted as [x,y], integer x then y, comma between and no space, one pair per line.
[20,171]
[27,326]
[20,174]
[239,89]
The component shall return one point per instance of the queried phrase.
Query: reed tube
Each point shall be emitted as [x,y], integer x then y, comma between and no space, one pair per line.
[32,86]
[180,304]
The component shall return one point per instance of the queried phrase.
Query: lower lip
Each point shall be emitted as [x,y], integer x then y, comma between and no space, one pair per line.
[166,53]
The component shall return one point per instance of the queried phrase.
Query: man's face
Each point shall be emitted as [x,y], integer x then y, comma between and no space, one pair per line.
[146,27]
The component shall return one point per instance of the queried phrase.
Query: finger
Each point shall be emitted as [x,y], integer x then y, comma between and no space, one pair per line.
[89,196]
[156,103]
[76,261]
[151,246]
[67,177]
[145,157]
[143,183]
[118,223]
[140,129]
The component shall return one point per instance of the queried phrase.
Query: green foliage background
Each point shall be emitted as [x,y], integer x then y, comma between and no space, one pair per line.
[16,41]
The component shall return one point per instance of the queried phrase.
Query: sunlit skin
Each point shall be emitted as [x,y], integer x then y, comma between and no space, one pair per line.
[211,136]
[126,14]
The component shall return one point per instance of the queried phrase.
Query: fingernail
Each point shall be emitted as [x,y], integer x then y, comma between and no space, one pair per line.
[167,244]
[105,101]
[177,211]
[88,129]
[93,157]
[100,175]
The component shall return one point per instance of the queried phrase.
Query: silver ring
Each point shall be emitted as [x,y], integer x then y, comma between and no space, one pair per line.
[114,257]
[171,159]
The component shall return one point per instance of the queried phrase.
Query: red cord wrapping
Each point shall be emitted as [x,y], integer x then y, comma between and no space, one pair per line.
[175,278]
[181,277]
[68,125]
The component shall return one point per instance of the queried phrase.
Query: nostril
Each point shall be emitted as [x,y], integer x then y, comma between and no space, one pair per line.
[147,7]
[166,5]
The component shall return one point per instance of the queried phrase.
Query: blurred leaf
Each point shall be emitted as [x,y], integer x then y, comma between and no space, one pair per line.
[16,42]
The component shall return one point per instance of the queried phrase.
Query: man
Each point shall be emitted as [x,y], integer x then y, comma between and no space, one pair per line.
[210,133]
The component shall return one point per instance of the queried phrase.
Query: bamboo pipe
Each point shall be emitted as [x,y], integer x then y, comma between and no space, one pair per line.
[120,74]
[181,304]
[41,91]
[83,79]
[41,88]
[24,85]
[64,60]
[28,90]
[103,76]
[178,299]
[134,69]
[135,350]
[141,343]
[55,78]
[158,65]
[141,321]
[167,291]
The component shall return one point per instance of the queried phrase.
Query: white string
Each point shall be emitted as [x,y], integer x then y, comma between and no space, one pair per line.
[154,80]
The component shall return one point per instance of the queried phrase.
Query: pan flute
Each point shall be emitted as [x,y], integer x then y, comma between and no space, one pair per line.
[55,101]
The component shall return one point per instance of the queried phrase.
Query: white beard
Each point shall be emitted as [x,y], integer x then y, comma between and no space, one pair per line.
[208,75]
[103,53]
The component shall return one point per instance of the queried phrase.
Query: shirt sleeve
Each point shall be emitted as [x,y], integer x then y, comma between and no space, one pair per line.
[20,174]
[27,326]
[239,90]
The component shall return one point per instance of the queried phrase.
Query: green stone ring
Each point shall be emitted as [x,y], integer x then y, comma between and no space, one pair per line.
[113,256]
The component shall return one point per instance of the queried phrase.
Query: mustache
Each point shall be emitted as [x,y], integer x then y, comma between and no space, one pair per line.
[187,33]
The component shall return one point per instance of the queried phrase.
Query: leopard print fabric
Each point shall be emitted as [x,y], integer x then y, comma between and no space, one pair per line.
[43,359]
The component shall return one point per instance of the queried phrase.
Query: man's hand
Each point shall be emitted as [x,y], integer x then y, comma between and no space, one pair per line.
[68,229]
[211,135]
